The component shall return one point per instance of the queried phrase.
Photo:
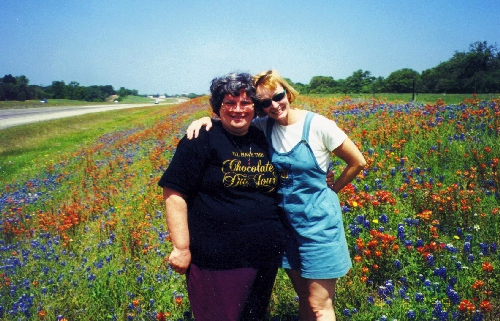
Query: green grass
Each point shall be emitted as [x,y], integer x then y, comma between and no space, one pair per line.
[50,103]
[23,147]
[421,98]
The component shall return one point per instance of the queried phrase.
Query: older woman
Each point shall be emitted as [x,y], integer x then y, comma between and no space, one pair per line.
[221,210]
[316,253]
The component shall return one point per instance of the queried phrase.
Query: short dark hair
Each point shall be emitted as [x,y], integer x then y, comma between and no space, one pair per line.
[230,84]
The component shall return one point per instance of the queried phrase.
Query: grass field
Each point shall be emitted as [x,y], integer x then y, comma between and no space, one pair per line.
[84,235]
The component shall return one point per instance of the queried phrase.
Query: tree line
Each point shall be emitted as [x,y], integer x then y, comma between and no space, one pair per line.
[18,88]
[475,71]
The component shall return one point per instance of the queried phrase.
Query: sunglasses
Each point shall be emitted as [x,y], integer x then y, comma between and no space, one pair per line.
[266,103]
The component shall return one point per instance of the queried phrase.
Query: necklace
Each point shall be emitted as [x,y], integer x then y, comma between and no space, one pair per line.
[241,152]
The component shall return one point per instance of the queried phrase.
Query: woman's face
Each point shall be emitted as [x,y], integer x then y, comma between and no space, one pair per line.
[279,108]
[236,113]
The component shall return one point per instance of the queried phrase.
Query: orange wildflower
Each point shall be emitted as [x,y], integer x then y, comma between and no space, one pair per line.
[487,267]
[485,306]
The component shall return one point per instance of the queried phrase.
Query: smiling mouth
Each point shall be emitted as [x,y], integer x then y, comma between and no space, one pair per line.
[240,116]
[276,110]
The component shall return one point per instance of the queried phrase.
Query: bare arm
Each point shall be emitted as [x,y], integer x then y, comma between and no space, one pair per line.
[355,161]
[194,128]
[177,223]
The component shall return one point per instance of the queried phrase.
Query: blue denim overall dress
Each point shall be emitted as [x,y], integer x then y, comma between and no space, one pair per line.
[316,242]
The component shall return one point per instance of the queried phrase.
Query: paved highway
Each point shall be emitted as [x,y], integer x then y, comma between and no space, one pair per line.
[15,117]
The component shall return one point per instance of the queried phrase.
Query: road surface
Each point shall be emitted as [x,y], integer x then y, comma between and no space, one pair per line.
[15,117]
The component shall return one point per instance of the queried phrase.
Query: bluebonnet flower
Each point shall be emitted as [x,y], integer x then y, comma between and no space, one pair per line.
[477,316]
[451,248]
[441,272]
[430,259]
[438,308]
[402,292]
[484,248]
[443,315]
[411,315]
[401,232]
[453,295]
[419,297]
[99,264]
[354,230]
[382,292]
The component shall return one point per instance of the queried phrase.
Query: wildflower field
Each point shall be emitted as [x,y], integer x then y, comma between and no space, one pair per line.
[84,237]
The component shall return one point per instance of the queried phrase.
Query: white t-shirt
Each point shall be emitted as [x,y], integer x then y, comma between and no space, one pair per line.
[324,136]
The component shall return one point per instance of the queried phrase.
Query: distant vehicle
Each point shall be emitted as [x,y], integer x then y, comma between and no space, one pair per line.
[44,100]
[157,102]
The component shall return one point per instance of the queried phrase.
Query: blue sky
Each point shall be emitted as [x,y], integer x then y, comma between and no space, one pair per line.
[178,46]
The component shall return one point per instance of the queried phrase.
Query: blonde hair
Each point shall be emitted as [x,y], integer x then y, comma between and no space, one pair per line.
[270,79]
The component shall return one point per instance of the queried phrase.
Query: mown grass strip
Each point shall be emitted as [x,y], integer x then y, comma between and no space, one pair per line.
[22,147]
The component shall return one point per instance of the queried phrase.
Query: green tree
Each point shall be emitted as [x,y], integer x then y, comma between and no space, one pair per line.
[322,85]
[379,85]
[8,88]
[359,82]
[301,88]
[466,72]
[72,90]
[58,90]
[403,81]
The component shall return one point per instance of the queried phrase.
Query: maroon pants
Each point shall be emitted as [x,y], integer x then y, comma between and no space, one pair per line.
[237,294]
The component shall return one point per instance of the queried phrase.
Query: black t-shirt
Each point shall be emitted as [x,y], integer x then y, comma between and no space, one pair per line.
[229,185]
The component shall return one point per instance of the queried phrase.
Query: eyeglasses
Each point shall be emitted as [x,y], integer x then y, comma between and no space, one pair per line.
[231,105]
[266,103]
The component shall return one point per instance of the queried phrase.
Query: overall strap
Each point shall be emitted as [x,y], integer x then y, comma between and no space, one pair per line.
[307,126]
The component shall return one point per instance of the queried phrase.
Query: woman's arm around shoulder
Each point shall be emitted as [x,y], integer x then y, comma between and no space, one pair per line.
[193,129]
